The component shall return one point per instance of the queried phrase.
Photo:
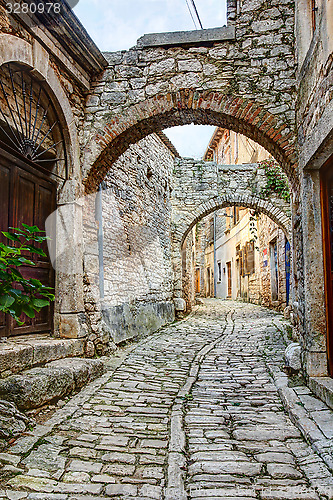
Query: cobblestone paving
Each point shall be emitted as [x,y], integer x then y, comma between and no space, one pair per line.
[123,436]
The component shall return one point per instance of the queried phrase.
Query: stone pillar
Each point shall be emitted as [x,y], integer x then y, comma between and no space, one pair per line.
[177,270]
[67,258]
[314,341]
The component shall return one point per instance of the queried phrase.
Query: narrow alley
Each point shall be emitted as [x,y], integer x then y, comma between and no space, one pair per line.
[188,412]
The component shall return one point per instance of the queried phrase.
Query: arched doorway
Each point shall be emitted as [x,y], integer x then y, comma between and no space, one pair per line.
[32,162]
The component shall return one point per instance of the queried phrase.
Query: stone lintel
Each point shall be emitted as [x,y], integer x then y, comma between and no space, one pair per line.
[187,37]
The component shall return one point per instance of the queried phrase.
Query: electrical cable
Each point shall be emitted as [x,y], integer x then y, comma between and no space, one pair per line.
[197,14]
[191,15]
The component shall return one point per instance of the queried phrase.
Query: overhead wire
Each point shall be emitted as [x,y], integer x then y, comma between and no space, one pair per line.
[197,14]
[188,5]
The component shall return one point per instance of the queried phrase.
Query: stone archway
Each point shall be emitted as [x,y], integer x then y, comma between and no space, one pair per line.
[248,117]
[181,230]
[238,77]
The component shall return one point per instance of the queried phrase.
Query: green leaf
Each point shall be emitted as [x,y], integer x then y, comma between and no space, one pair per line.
[11,236]
[32,229]
[15,292]
[40,303]
[34,249]
[6,301]
[16,273]
[28,310]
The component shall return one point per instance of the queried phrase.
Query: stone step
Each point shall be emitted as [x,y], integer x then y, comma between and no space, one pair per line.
[35,387]
[323,389]
[21,353]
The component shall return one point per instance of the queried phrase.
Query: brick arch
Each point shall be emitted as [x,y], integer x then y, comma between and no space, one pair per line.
[242,200]
[183,107]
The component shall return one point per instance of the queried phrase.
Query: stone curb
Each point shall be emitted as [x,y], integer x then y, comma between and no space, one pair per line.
[301,417]
[176,469]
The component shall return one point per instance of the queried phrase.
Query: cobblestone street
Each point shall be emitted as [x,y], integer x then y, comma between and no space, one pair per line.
[189,412]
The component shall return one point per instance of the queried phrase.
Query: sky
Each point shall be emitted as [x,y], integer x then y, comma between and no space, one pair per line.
[117,24]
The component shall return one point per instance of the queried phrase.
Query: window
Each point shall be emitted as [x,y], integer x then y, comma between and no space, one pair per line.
[219,272]
[274,270]
[250,265]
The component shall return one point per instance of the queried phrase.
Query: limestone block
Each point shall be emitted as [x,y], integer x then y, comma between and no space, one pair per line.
[52,349]
[90,349]
[70,326]
[12,423]
[113,97]
[189,65]
[40,60]
[83,370]
[37,386]
[180,304]
[315,363]
[15,357]
[323,388]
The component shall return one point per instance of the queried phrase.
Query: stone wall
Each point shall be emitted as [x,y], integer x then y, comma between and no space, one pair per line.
[314,123]
[137,271]
[268,231]
[200,188]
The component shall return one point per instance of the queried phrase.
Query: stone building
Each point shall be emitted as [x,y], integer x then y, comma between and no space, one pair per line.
[249,254]
[45,77]
[243,77]
[314,122]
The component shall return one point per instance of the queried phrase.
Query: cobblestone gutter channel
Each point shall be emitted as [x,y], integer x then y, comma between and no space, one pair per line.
[188,413]
[177,445]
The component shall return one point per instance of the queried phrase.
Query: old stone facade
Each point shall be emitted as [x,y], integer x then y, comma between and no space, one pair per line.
[314,121]
[42,64]
[244,251]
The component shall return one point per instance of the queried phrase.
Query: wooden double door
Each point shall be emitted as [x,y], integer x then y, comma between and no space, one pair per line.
[26,195]
[327,211]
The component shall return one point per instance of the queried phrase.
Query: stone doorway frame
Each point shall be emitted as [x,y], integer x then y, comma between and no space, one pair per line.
[69,305]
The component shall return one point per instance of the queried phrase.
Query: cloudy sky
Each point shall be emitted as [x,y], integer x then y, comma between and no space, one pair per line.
[117,24]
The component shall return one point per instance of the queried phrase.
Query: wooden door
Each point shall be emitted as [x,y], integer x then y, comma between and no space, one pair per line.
[229,279]
[327,218]
[29,196]
[197,280]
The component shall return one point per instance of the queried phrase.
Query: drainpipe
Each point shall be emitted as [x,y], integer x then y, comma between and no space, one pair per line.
[99,221]
[215,264]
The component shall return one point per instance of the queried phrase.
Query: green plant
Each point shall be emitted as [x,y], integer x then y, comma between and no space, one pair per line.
[18,294]
[277,181]
[253,227]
